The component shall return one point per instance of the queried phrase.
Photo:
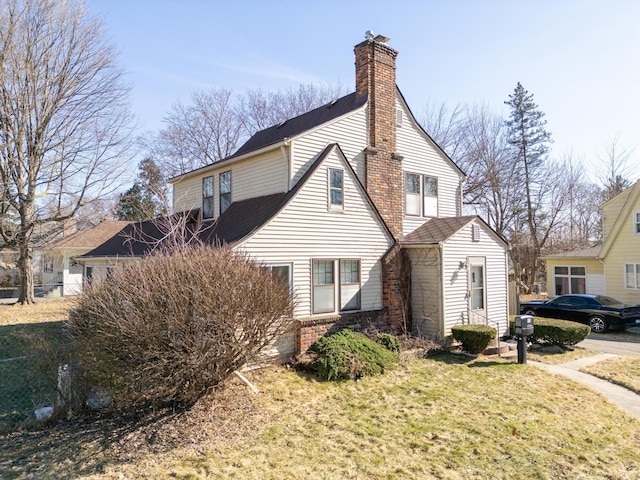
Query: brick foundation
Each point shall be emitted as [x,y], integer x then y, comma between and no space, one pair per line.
[310,330]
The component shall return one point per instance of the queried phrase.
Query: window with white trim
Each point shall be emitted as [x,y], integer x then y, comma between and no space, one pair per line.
[207,197]
[336,189]
[636,223]
[420,195]
[47,264]
[632,275]
[281,272]
[225,190]
[335,282]
[569,280]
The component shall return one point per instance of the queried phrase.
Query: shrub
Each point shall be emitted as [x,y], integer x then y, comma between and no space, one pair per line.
[170,328]
[388,341]
[348,354]
[556,332]
[474,338]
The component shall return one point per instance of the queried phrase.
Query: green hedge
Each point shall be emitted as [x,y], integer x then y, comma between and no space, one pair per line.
[556,332]
[474,338]
[348,354]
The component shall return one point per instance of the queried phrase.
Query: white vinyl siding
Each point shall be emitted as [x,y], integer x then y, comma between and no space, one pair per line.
[426,291]
[262,175]
[422,157]
[349,131]
[306,230]
[440,282]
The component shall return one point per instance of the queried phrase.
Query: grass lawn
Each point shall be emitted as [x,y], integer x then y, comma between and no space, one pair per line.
[447,417]
[623,371]
[560,358]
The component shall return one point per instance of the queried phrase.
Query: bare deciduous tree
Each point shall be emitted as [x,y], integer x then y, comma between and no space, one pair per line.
[615,163]
[64,117]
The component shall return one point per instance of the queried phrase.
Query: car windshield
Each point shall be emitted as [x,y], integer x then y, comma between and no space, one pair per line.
[608,301]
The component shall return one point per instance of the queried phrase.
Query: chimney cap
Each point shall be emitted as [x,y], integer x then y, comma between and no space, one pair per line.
[381,39]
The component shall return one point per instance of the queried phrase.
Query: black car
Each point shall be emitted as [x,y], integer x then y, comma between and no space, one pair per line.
[600,312]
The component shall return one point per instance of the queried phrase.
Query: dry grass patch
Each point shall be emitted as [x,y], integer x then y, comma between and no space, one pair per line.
[560,358]
[624,371]
[446,417]
[41,311]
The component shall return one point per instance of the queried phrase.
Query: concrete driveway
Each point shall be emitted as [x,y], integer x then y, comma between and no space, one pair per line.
[626,342]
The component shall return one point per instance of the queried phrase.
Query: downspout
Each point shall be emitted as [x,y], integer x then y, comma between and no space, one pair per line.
[441,299]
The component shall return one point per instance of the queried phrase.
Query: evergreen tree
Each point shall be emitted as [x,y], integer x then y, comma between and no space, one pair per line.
[530,142]
[146,199]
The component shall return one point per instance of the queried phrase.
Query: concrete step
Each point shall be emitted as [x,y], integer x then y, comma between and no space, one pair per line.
[495,349]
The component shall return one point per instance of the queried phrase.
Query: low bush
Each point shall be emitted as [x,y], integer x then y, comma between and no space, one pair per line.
[474,338]
[170,328]
[388,341]
[556,332]
[351,355]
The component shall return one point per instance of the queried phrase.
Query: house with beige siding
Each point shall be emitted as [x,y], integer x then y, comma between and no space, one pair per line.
[357,208]
[612,268]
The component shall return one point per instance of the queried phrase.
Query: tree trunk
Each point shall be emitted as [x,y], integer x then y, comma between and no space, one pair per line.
[25,263]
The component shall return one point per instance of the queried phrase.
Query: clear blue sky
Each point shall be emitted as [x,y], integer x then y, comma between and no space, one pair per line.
[579,58]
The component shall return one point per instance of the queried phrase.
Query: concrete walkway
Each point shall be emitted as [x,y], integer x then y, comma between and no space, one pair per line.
[622,397]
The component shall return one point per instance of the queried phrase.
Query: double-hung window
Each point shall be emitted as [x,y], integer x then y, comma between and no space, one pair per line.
[281,273]
[420,195]
[336,282]
[570,280]
[632,275]
[225,190]
[207,197]
[336,189]
[636,223]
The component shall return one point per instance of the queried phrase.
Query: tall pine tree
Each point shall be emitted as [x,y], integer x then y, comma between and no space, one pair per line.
[530,142]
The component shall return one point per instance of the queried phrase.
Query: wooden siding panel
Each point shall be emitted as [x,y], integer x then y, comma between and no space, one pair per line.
[421,156]
[625,249]
[306,229]
[349,132]
[261,175]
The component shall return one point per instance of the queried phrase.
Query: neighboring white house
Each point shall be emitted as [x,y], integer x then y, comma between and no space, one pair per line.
[61,271]
[357,207]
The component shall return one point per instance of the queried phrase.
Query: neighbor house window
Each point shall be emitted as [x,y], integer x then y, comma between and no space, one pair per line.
[207,197]
[570,280]
[336,189]
[327,274]
[632,275]
[420,195]
[636,222]
[47,266]
[225,191]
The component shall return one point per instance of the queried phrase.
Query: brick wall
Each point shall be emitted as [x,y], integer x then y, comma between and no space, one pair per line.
[311,330]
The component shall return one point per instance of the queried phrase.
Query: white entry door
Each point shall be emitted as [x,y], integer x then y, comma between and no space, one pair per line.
[477,292]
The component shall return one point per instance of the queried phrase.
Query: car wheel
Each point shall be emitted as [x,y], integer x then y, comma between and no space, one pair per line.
[530,312]
[598,324]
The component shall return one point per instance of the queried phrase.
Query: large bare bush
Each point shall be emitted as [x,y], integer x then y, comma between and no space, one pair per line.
[170,328]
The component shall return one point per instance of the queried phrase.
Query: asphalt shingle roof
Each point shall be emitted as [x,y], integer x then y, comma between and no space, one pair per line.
[436,230]
[92,236]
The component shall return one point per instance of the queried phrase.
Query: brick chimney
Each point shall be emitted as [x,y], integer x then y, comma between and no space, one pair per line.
[376,80]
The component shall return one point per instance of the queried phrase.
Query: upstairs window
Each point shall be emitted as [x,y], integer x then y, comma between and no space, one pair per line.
[636,222]
[207,197]
[336,189]
[420,195]
[225,191]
